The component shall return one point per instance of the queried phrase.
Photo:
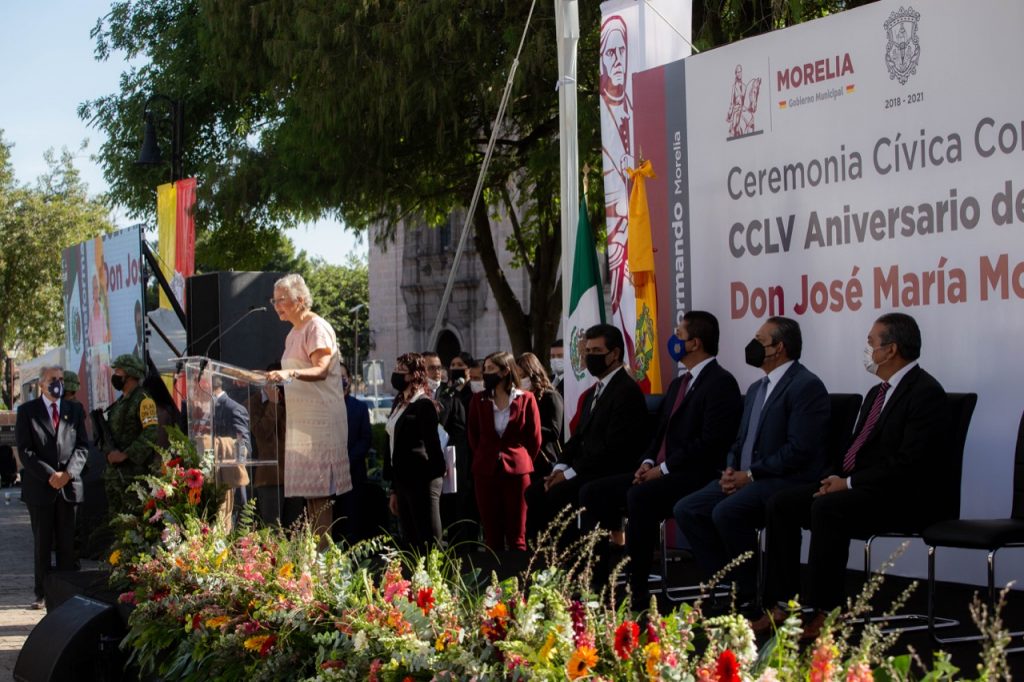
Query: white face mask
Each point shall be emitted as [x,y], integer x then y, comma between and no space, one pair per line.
[434,384]
[526,384]
[869,364]
[557,365]
[476,386]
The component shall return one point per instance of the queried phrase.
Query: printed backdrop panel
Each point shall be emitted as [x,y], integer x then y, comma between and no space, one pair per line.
[859,164]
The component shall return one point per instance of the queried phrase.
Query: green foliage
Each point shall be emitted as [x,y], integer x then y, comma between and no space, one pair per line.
[36,223]
[719,22]
[336,290]
[364,111]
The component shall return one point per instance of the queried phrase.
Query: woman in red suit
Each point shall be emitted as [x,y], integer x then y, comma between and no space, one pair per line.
[504,435]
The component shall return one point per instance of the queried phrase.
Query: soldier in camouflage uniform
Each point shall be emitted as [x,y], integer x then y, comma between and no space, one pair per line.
[133,429]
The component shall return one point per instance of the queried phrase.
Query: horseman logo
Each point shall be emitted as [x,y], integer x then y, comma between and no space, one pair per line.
[902,49]
[743,106]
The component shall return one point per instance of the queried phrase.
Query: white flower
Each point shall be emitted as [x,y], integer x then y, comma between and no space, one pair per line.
[359,642]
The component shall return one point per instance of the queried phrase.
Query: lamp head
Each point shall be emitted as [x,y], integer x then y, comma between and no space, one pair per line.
[149,155]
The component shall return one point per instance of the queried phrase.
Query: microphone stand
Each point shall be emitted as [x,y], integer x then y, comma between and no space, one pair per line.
[206,356]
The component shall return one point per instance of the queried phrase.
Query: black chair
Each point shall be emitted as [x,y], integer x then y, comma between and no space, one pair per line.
[991,535]
[960,410]
[844,408]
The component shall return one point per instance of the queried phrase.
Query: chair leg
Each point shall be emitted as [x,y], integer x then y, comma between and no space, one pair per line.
[687,592]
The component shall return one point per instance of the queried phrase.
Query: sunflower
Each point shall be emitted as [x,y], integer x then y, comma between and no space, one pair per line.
[581,661]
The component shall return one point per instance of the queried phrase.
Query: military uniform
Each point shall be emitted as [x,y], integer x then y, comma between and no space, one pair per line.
[134,428]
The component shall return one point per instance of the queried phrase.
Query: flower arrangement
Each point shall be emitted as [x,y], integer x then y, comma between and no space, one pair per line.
[184,489]
[255,603]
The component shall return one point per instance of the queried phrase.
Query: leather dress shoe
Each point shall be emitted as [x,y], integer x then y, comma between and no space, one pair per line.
[769,621]
[813,627]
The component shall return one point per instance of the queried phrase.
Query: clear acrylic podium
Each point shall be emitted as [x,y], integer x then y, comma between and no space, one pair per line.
[236,419]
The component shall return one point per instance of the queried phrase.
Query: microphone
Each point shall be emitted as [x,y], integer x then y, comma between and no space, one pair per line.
[206,355]
[251,309]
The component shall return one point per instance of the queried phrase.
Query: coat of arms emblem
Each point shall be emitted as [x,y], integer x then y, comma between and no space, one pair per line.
[902,49]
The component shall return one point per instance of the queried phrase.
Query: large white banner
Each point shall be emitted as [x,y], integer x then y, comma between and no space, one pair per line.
[635,35]
[868,162]
[104,286]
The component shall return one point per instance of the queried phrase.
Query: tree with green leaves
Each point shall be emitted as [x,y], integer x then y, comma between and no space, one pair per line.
[371,112]
[36,224]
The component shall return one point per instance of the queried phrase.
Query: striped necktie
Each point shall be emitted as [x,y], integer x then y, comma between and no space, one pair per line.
[850,459]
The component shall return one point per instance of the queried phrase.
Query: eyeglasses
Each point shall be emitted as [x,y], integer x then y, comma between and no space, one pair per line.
[275,301]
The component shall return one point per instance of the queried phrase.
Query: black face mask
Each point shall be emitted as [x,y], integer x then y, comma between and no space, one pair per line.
[754,353]
[117,381]
[455,374]
[56,388]
[597,364]
[491,381]
[398,381]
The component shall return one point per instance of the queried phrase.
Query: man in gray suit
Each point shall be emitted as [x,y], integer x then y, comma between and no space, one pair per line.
[51,438]
[780,444]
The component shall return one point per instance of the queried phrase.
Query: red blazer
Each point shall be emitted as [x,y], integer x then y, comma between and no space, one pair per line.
[513,452]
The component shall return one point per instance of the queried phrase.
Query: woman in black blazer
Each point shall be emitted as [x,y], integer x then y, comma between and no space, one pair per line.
[415,463]
[549,402]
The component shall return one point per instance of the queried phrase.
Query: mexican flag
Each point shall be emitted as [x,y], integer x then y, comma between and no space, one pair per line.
[586,308]
[646,367]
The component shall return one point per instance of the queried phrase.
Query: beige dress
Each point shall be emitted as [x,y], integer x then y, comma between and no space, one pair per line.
[316,435]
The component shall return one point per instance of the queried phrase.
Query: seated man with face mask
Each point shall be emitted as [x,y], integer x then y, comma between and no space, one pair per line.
[609,435]
[889,472]
[780,444]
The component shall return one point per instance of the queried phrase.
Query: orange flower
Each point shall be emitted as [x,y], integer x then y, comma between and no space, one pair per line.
[653,654]
[194,495]
[425,600]
[581,661]
[262,644]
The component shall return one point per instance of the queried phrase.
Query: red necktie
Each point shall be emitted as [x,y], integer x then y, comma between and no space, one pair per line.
[675,406]
[869,425]
[55,415]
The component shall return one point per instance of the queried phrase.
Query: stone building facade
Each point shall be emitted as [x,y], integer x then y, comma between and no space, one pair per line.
[407,281]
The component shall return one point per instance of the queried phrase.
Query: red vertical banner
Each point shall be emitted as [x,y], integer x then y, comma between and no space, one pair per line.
[185,232]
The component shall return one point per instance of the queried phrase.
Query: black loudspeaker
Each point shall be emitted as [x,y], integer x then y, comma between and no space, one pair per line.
[66,644]
[217,300]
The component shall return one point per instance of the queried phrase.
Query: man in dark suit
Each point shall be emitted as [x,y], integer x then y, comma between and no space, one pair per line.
[780,444]
[52,443]
[696,425]
[607,439]
[889,470]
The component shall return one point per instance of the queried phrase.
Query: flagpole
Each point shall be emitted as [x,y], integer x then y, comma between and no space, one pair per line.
[567,29]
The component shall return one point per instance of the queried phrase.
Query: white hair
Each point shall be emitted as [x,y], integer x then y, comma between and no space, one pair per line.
[297,290]
[50,368]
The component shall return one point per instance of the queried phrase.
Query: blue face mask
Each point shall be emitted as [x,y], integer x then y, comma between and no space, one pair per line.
[676,348]
[56,388]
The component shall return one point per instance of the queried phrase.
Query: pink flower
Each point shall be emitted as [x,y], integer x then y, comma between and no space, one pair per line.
[374,669]
[396,588]
[860,672]
[126,597]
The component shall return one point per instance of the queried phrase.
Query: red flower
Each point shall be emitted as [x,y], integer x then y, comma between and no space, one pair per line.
[652,633]
[174,462]
[333,664]
[196,621]
[425,599]
[150,504]
[626,638]
[728,668]
[194,478]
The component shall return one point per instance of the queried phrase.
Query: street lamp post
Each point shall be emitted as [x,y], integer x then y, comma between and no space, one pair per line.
[150,154]
[355,337]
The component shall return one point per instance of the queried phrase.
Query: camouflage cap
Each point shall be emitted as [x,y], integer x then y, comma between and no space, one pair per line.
[71,382]
[131,365]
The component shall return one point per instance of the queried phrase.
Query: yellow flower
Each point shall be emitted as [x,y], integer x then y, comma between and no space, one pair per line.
[652,652]
[217,621]
[115,557]
[545,651]
[256,642]
[220,558]
[286,570]
[581,661]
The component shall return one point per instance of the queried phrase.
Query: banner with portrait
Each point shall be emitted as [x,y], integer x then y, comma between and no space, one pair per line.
[635,35]
[867,162]
[104,288]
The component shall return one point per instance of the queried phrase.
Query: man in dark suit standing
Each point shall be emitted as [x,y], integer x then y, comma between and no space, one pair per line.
[52,443]
[884,482]
[609,435]
[780,444]
[696,425]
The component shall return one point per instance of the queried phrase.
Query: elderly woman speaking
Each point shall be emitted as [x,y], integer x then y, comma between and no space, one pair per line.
[316,433]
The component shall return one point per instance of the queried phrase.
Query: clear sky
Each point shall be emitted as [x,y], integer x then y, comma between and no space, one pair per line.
[49,69]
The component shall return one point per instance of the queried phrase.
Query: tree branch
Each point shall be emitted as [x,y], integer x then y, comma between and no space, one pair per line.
[517,230]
